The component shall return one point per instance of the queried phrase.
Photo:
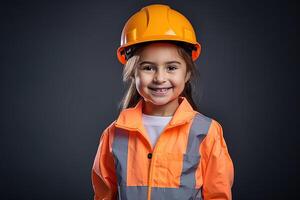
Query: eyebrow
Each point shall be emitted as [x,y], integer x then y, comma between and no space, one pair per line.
[169,62]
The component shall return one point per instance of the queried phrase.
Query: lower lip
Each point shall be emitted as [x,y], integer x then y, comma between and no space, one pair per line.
[160,93]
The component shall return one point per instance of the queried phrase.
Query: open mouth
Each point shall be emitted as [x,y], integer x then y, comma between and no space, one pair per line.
[160,91]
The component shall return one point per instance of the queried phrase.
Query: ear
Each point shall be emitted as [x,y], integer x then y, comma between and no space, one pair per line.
[187,76]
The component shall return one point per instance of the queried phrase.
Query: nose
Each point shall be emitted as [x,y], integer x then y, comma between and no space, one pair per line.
[159,76]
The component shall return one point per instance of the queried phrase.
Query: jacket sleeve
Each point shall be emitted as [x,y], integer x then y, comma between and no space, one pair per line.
[218,170]
[103,171]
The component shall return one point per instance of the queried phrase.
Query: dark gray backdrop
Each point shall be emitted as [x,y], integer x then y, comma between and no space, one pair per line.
[61,83]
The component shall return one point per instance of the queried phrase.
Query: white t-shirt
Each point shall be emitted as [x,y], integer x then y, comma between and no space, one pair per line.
[154,125]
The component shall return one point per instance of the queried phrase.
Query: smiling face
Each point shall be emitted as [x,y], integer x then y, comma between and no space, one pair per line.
[161,75]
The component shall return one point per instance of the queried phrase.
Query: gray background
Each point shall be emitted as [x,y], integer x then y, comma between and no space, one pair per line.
[61,84]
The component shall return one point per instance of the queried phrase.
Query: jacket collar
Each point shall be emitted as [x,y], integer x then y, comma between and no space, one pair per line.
[131,118]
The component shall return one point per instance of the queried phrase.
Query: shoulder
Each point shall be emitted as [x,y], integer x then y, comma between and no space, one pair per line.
[200,124]
[215,131]
[108,131]
[204,119]
[214,142]
[211,128]
[214,128]
[201,118]
[211,123]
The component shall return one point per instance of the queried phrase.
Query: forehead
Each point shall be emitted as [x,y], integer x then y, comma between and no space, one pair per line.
[160,52]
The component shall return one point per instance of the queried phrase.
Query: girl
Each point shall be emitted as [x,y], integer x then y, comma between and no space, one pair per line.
[161,146]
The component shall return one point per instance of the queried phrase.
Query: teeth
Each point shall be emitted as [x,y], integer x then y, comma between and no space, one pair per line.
[161,90]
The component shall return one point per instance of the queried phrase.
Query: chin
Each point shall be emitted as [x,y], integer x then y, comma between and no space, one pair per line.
[159,101]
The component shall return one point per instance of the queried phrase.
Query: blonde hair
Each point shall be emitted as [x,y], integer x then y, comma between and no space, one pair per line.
[132,97]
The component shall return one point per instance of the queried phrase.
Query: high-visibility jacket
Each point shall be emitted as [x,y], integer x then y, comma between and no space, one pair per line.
[189,161]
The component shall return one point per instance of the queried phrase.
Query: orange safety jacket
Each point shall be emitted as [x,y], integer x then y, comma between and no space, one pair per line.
[189,161]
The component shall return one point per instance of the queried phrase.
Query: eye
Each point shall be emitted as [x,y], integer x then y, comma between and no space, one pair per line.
[148,67]
[172,68]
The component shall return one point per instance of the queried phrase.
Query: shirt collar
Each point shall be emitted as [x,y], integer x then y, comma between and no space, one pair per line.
[131,118]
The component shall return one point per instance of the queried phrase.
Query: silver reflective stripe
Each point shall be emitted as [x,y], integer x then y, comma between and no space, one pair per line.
[191,158]
[181,193]
[133,192]
[140,192]
[199,129]
[120,153]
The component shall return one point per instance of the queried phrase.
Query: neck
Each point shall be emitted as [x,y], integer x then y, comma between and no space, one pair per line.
[161,110]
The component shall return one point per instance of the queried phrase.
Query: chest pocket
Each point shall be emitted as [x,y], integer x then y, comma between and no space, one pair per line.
[167,169]
[175,170]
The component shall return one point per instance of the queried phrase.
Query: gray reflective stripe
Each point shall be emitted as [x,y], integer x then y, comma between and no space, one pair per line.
[181,193]
[198,131]
[157,193]
[120,152]
[132,192]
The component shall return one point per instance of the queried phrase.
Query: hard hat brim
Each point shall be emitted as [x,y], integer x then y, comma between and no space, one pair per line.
[121,50]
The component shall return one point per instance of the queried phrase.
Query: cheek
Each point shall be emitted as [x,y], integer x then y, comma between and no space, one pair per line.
[178,81]
[138,86]
[137,82]
[143,80]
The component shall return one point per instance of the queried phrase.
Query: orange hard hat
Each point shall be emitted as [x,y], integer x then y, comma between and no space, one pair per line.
[157,22]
